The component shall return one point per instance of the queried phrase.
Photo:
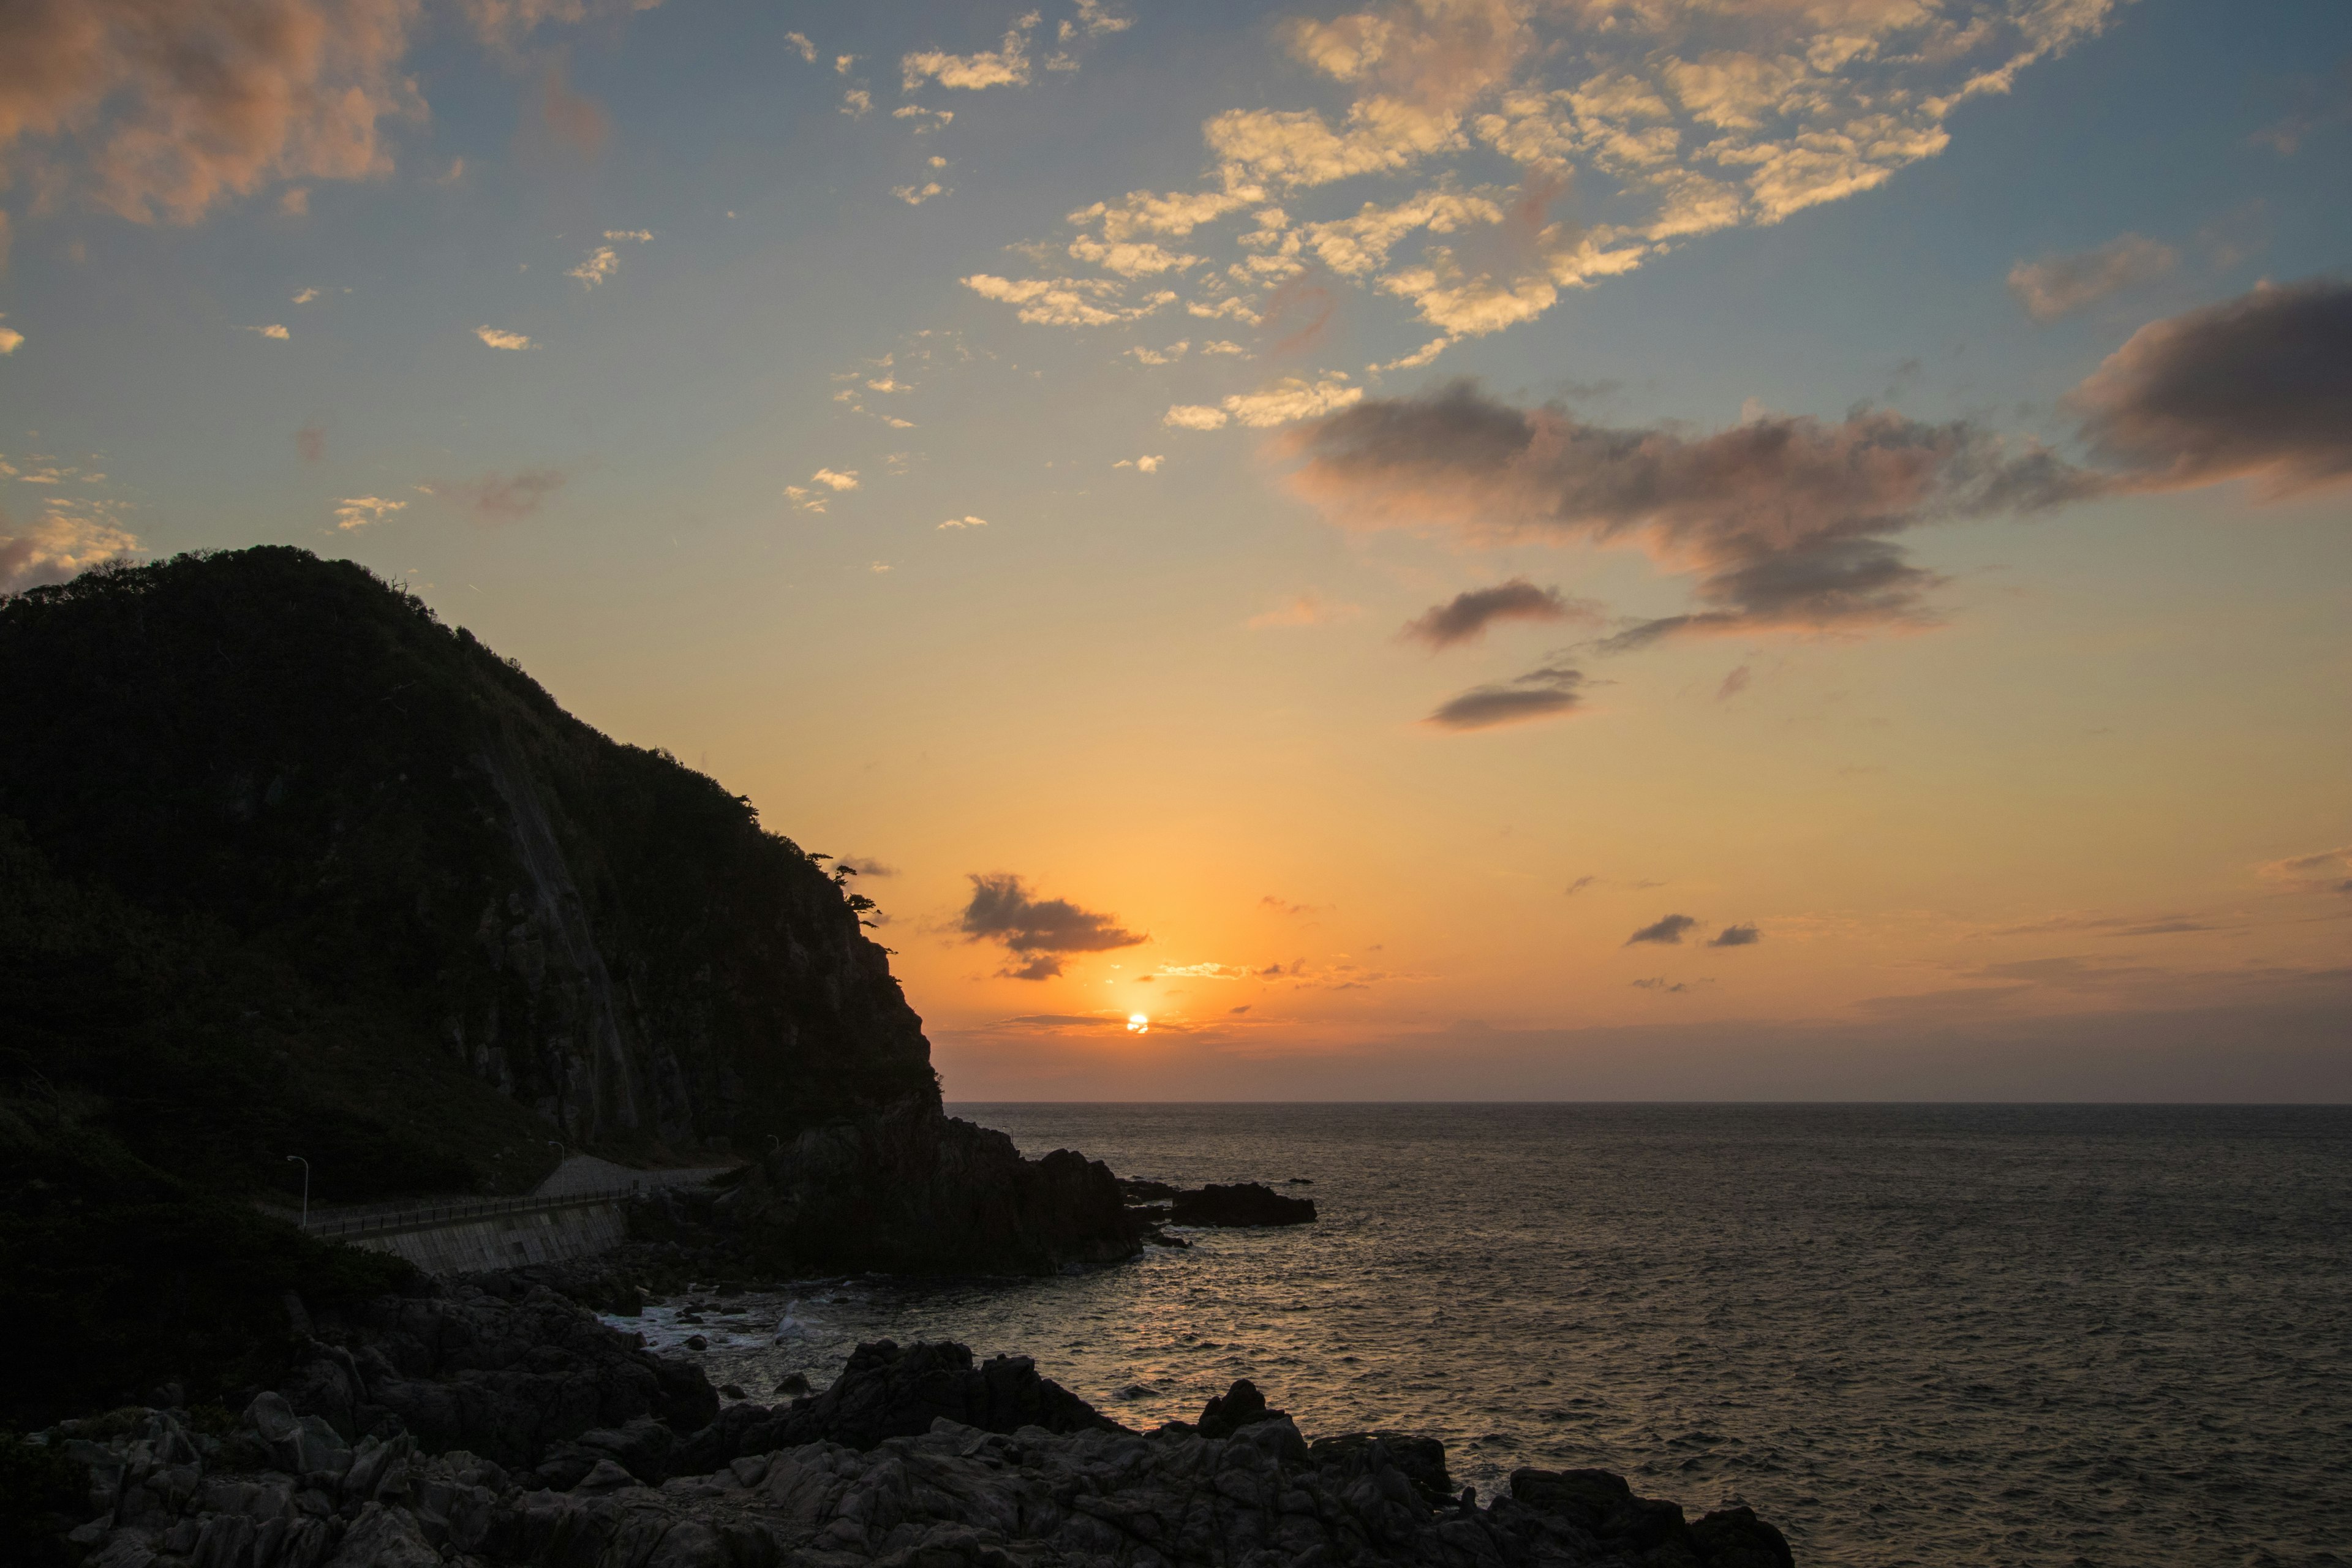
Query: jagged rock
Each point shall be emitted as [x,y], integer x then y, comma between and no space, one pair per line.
[885,1391]
[1244,1203]
[1240,1406]
[1422,1459]
[384,1538]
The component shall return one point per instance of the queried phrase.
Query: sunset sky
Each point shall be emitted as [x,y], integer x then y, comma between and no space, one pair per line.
[1461,549]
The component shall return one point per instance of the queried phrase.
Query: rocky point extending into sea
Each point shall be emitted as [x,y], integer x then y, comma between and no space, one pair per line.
[495,1420]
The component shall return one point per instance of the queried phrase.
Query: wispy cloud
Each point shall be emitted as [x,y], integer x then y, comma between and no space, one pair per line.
[1784,518]
[1309,609]
[272,330]
[492,499]
[2057,286]
[1736,936]
[498,338]
[1007,65]
[1466,616]
[55,548]
[1547,691]
[1280,402]
[1069,302]
[965,522]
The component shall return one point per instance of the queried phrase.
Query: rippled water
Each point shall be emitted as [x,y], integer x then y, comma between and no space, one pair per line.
[1909,1335]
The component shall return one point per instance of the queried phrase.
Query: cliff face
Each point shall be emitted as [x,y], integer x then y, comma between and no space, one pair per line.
[294,762]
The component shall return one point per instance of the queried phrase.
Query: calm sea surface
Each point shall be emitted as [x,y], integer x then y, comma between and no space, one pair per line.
[2061,1335]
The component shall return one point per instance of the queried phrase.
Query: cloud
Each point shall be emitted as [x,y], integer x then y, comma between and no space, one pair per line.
[1782,517]
[927,119]
[1066,301]
[271,330]
[1005,66]
[1551,691]
[2058,285]
[55,548]
[1581,884]
[1666,932]
[1733,684]
[1659,982]
[498,339]
[832,479]
[311,442]
[1037,930]
[1193,417]
[2330,871]
[2259,388]
[1736,936]
[802,47]
[158,112]
[11,340]
[916,195]
[856,103]
[1149,465]
[965,522]
[601,263]
[494,497]
[1674,120]
[358,511]
[635,236]
[1466,616]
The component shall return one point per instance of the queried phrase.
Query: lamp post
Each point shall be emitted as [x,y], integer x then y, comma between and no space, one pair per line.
[305,1188]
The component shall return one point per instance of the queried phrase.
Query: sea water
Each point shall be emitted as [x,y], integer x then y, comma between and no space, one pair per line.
[1933,1335]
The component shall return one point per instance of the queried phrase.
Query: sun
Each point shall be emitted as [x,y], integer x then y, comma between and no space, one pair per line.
[1138,1023]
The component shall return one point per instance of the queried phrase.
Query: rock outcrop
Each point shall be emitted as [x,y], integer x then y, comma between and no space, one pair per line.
[1008,1471]
[1244,1204]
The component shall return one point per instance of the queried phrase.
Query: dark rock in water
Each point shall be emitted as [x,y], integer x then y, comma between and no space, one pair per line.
[915,1191]
[1244,1204]
[697,1342]
[1138,1190]
[731,1390]
[793,1383]
[1300,1182]
[1240,1406]
[885,1391]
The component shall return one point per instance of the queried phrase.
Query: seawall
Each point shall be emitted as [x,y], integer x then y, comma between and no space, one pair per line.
[549,1233]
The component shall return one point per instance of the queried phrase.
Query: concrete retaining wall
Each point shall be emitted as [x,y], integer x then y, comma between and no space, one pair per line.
[506,1240]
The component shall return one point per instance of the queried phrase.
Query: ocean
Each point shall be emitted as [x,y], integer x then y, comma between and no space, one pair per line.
[1906,1334]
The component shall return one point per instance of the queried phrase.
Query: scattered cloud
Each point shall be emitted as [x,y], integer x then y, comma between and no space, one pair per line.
[494,498]
[1034,933]
[1736,936]
[358,511]
[1738,681]
[925,119]
[11,340]
[1661,983]
[1667,931]
[1550,692]
[498,338]
[857,102]
[295,201]
[307,296]
[803,46]
[1007,65]
[832,479]
[2258,388]
[1140,465]
[1193,417]
[1067,301]
[2320,104]
[1285,907]
[1466,616]
[1675,120]
[311,442]
[2057,286]
[916,195]
[1167,355]
[1783,518]
[55,548]
[272,330]
[1308,609]
[965,522]
[1581,884]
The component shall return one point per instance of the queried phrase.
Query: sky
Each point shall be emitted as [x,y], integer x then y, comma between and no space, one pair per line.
[1460,549]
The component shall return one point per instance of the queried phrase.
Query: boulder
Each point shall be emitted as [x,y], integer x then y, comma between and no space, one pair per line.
[1242,1204]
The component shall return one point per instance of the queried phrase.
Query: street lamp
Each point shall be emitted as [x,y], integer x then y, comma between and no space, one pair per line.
[305,1188]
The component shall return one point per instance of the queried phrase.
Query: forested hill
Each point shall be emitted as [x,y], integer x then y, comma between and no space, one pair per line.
[288,866]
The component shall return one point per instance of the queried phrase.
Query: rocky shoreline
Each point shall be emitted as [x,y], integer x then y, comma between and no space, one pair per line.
[493,1421]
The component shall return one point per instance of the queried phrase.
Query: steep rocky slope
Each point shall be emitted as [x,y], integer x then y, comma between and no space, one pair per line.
[302,765]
